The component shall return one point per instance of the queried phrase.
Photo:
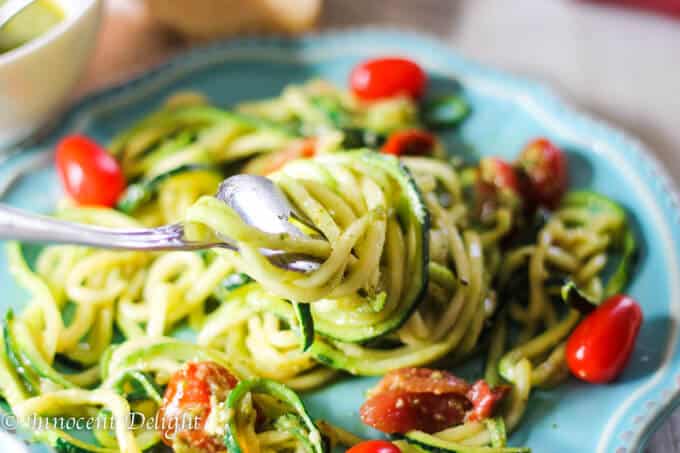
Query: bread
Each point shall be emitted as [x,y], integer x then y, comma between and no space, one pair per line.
[207,19]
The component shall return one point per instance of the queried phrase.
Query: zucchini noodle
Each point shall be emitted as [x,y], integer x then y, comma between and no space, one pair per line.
[410,274]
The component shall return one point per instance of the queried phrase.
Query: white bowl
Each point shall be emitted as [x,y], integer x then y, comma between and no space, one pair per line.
[37,78]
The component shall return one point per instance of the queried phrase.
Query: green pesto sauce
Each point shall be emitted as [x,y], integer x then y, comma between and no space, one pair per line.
[30,23]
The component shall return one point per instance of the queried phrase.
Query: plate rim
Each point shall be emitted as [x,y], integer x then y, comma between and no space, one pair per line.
[654,412]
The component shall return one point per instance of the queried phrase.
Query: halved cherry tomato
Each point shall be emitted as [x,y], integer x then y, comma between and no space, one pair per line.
[188,397]
[374,446]
[497,185]
[386,77]
[399,412]
[600,346]
[90,175]
[414,142]
[427,400]
[544,169]
[484,400]
[422,380]
[498,174]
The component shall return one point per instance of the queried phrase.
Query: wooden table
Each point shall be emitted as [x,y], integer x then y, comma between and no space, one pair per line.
[620,65]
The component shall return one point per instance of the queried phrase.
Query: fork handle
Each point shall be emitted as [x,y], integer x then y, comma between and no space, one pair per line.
[16,224]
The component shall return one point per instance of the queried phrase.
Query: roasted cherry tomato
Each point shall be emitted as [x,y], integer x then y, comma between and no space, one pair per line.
[484,400]
[600,346]
[421,380]
[544,171]
[90,175]
[386,77]
[413,142]
[400,412]
[188,397]
[374,446]
[427,400]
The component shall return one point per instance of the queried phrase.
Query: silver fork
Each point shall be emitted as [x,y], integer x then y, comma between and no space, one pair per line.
[256,199]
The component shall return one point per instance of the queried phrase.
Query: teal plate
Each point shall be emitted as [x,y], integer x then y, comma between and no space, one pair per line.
[507,111]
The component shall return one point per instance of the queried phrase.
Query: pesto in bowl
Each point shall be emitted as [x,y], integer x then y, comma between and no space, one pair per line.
[37,19]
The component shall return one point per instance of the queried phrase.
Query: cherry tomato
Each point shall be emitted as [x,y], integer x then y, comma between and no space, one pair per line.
[188,394]
[422,380]
[497,185]
[399,412]
[545,172]
[427,400]
[498,174]
[374,446]
[409,142]
[484,400]
[600,346]
[90,175]
[386,77]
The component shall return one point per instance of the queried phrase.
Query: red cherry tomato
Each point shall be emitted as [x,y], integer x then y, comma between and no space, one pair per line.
[90,175]
[497,185]
[374,446]
[600,346]
[484,400]
[544,167]
[498,174]
[400,412]
[422,380]
[188,395]
[386,77]
[409,142]
[427,400]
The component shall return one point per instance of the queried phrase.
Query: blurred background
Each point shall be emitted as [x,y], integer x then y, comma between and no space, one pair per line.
[621,63]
